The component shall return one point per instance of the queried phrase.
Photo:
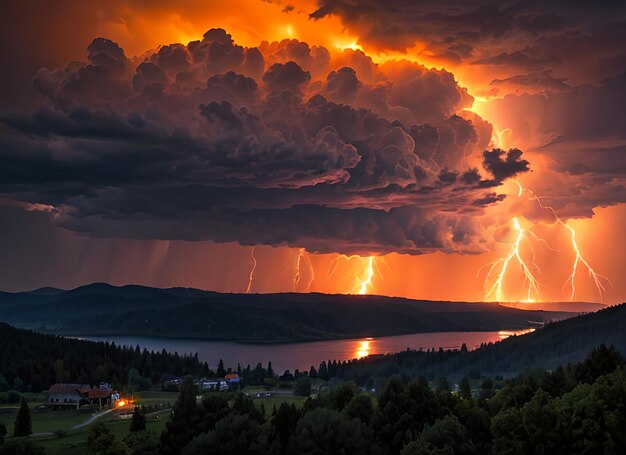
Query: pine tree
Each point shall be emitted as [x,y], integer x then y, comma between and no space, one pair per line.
[270,372]
[3,432]
[23,423]
[100,441]
[465,391]
[323,371]
[183,425]
[138,422]
[4,384]
[443,385]
[221,372]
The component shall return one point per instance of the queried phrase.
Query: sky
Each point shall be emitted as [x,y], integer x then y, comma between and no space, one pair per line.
[433,149]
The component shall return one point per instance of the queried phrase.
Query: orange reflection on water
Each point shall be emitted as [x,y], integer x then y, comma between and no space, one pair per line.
[363,348]
[503,334]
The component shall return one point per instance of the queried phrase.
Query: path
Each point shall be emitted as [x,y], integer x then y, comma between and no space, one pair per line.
[92,419]
[75,427]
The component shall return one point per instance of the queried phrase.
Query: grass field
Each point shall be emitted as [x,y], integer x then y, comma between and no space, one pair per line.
[44,420]
[268,403]
[74,442]
[155,397]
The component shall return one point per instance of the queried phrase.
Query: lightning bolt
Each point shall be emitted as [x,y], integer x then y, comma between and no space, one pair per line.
[367,282]
[251,277]
[312,270]
[529,278]
[333,265]
[296,278]
[362,285]
[302,254]
[578,257]
[496,290]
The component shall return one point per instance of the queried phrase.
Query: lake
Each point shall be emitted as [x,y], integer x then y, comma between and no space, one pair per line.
[302,355]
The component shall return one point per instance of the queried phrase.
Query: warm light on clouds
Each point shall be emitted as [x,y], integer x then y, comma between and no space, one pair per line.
[355,147]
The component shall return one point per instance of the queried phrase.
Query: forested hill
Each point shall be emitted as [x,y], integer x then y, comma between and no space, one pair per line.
[41,360]
[555,344]
[101,309]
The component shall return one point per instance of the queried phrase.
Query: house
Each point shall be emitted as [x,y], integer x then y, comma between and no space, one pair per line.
[210,384]
[63,396]
[232,378]
[213,384]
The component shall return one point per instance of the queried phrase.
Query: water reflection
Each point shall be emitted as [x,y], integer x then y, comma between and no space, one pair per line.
[363,348]
[503,334]
[303,355]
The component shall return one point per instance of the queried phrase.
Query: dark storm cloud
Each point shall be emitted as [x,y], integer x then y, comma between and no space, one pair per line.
[490,198]
[522,59]
[557,67]
[579,133]
[540,81]
[581,113]
[503,165]
[578,40]
[214,141]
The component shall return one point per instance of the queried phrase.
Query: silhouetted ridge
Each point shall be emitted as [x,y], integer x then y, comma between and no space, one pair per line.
[103,309]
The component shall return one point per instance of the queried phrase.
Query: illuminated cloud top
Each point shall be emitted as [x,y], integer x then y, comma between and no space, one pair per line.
[284,144]
[550,76]
[535,44]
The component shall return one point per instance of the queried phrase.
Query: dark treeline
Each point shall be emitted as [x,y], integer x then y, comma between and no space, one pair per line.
[33,362]
[554,344]
[577,409]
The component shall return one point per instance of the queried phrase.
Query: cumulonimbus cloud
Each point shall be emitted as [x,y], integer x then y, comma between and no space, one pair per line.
[284,144]
[540,45]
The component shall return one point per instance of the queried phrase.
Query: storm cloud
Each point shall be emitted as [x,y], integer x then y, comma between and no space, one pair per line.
[570,41]
[278,145]
[551,75]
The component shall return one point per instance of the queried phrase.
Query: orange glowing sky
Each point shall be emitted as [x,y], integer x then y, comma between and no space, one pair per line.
[66,259]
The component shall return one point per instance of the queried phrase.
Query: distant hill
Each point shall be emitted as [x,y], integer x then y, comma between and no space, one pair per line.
[555,344]
[576,307]
[102,309]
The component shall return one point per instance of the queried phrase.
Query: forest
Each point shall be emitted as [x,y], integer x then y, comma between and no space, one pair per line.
[555,344]
[580,408]
[32,362]
[413,402]
[576,409]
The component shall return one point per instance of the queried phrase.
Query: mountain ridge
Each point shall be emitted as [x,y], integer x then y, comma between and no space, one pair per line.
[102,309]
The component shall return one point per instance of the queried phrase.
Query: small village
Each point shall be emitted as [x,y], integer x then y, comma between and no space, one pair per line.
[74,396]
[64,414]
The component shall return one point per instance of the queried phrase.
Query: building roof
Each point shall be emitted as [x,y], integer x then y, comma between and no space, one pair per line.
[97,393]
[231,376]
[65,388]
[79,389]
